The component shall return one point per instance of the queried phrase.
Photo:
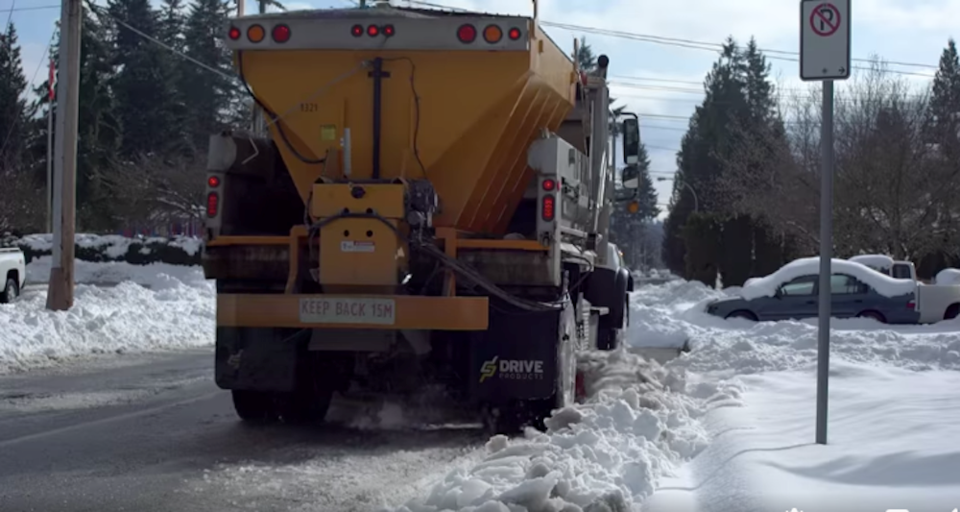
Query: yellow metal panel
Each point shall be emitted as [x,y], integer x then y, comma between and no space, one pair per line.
[468,104]
[385,200]
[434,313]
[362,252]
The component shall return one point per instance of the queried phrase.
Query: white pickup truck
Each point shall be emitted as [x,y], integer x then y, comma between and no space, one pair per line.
[934,302]
[13,273]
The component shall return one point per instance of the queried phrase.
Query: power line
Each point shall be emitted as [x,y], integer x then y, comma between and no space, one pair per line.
[14,9]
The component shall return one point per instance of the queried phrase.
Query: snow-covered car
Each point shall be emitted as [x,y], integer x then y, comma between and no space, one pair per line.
[935,302]
[792,293]
[13,272]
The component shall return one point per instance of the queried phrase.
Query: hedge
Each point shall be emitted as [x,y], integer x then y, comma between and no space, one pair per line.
[101,248]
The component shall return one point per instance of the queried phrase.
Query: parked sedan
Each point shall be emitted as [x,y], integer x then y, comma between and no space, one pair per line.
[797,298]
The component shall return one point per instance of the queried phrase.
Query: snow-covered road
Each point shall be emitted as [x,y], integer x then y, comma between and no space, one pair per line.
[727,426]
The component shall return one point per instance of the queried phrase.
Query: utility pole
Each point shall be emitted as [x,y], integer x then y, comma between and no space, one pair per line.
[50,98]
[60,294]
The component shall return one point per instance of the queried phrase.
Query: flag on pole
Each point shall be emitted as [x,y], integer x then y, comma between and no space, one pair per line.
[50,81]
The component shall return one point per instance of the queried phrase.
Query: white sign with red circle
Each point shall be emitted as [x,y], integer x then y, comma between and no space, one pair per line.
[824,39]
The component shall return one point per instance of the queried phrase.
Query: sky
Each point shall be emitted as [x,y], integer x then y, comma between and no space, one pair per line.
[660,82]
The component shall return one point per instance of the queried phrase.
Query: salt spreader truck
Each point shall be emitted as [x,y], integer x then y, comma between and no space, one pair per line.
[430,211]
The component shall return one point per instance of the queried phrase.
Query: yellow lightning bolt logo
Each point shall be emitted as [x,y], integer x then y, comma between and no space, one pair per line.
[489,369]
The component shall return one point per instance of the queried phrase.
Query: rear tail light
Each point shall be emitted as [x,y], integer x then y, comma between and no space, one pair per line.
[234,33]
[548,209]
[492,34]
[467,33]
[514,34]
[357,30]
[912,305]
[373,31]
[213,204]
[549,185]
[281,33]
[213,181]
[388,30]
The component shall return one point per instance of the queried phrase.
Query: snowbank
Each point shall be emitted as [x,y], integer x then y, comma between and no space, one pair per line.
[153,275]
[767,286]
[177,311]
[889,445]
[607,454]
[948,276]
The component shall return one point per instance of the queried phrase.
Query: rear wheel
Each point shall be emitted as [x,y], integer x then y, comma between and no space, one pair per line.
[10,292]
[746,315]
[254,406]
[873,315]
[952,312]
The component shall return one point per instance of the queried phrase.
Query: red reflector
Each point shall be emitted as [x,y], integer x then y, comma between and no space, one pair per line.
[373,31]
[234,33]
[467,33]
[213,181]
[281,33]
[213,203]
[548,210]
[357,30]
[549,185]
[514,34]
[911,305]
[388,30]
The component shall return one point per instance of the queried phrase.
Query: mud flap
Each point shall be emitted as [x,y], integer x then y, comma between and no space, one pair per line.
[258,359]
[524,356]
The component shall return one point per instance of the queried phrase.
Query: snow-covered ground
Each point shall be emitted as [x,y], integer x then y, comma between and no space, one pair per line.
[730,425]
[146,308]
[727,426]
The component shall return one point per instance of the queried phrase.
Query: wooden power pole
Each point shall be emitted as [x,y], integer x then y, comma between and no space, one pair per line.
[60,294]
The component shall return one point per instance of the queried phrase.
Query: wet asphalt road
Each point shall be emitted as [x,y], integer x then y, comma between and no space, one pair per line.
[153,433]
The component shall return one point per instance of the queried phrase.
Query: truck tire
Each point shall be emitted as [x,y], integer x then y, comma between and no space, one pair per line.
[304,406]
[254,406]
[10,292]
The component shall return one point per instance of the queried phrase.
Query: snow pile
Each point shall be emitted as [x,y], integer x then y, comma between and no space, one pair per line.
[767,286]
[178,311]
[154,275]
[116,245]
[948,276]
[607,454]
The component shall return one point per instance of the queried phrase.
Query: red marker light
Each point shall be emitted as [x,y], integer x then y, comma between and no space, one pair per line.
[234,33]
[373,31]
[281,33]
[213,203]
[213,182]
[548,210]
[549,185]
[467,34]
[514,34]
[357,30]
[388,30]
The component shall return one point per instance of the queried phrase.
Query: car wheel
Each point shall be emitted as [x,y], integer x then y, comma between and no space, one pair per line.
[10,292]
[874,315]
[952,312]
[746,315]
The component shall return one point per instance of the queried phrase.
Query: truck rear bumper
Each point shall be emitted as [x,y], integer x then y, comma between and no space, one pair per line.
[353,311]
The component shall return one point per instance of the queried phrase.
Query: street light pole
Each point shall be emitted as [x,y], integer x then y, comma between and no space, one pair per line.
[696,202]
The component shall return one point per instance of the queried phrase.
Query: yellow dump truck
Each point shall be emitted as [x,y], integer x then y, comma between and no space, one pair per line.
[429,211]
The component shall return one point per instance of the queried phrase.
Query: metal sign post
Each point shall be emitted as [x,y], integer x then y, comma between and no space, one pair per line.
[825,56]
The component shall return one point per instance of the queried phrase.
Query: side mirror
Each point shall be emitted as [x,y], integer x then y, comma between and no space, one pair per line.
[630,176]
[631,141]
[778,294]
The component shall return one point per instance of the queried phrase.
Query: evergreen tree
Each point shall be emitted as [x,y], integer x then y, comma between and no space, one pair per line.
[143,81]
[210,97]
[171,32]
[945,102]
[99,129]
[14,111]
